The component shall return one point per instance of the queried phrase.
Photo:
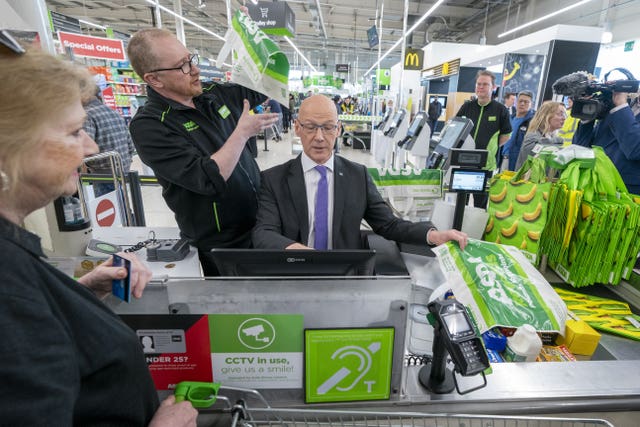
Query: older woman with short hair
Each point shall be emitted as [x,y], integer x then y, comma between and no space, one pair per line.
[66,358]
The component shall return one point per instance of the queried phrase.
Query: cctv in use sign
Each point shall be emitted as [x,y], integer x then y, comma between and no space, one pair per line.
[94,47]
[257,350]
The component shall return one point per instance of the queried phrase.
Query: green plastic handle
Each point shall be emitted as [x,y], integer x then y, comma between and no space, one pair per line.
[200,394]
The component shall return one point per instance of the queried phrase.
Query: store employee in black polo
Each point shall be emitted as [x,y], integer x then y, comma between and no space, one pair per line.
[195,139]
[491,123]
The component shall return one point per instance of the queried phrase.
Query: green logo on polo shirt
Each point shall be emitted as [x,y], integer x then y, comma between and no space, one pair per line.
[190,126]
[224,111]
[492,118]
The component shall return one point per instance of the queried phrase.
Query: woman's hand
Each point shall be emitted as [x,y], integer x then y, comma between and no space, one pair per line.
[172,414]
[99,280]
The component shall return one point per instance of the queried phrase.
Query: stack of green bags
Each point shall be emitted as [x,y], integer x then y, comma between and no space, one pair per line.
[593,226]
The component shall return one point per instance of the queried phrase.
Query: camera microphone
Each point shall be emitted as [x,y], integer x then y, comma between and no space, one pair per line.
[572,85]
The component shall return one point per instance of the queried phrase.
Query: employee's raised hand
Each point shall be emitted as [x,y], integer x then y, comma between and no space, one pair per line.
[252,124]
[172,414]
[438,237]
[99,280]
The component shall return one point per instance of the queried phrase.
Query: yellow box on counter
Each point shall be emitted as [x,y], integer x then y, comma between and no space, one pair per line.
[579,337]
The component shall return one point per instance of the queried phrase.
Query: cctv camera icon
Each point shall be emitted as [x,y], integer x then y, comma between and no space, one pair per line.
[254,332]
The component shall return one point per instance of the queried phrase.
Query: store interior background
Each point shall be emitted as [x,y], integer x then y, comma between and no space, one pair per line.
[598,34]
[330,32]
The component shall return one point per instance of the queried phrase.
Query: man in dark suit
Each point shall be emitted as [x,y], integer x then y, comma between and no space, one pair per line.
[288,213]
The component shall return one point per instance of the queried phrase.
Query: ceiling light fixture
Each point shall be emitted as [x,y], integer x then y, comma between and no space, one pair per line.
[300,53]
[535,21]
[188,21]
[91,24]
[411,30]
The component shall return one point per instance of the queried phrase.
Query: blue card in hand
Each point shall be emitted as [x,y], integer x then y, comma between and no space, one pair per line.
[121,287]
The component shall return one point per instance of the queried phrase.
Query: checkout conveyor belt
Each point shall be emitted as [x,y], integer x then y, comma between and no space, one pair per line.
[610,381]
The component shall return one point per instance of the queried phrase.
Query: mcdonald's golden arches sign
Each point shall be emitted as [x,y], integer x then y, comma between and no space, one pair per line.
[413,59]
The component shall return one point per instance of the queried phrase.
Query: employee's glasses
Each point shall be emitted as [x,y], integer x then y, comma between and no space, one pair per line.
[311,129]
[186,66]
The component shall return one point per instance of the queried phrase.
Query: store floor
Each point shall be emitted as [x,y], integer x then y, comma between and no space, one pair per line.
[157,214]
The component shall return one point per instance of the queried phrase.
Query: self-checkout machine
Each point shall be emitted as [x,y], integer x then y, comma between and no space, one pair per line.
[378,130]
[463,165]
[414,147]
[386,150]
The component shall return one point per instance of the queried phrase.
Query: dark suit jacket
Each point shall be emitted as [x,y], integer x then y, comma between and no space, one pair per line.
[283,214]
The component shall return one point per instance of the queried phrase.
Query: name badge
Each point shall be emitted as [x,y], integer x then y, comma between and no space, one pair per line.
[224,111]
[491,118]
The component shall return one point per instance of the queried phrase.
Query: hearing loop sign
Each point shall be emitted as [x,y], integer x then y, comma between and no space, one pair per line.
[348,364]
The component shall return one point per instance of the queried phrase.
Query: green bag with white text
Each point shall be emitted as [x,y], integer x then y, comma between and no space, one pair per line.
[500,287]
[258,62]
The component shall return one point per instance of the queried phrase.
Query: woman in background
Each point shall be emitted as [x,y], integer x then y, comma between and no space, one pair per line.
[66,358]
[543,130]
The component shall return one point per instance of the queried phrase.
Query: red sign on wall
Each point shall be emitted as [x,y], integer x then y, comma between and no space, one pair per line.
[95,47]
[109,98]
[105,213]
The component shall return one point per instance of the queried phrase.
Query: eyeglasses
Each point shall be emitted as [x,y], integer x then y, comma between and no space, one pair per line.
[310,128]
[186,66]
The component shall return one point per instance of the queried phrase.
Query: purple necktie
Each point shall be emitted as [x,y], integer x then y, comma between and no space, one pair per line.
[321,221]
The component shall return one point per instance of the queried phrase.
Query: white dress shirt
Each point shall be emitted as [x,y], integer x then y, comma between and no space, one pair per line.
[311,178]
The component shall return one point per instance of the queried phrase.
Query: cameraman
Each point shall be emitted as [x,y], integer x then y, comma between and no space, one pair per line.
[619,135]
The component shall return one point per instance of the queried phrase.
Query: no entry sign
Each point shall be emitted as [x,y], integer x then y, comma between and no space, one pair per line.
[105,213]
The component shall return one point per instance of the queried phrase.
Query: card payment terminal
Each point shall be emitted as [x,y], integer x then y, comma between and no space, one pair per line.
[453,334]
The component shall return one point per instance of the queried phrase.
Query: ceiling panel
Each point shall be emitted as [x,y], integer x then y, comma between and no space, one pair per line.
[346,22]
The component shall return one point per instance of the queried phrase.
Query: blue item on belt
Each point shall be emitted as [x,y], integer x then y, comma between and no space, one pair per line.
[494,340]
[494,356]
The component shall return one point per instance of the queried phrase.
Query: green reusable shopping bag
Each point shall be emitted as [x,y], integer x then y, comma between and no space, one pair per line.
[500,287]
[258,62]
[518,208]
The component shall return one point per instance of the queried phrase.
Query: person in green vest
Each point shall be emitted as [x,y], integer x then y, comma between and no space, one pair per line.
[491,124]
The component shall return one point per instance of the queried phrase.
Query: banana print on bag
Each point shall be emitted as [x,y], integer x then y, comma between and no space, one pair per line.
[517,211]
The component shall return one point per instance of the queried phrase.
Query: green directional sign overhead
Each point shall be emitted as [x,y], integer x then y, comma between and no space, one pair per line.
[348,364]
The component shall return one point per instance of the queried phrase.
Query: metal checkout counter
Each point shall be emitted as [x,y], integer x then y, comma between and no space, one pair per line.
[192,320]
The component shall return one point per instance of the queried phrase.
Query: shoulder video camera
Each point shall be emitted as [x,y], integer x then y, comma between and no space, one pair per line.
[591,99]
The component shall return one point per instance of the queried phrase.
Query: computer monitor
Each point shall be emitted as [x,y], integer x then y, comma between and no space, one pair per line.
[469,180]
[414,130]
[453,135]
[274,262]
[395,123]
[441,99]
[385,119]
[417,124]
